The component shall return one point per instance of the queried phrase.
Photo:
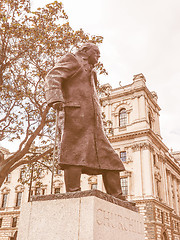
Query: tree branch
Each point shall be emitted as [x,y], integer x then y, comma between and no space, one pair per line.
[34,159]
[7,114]
[6,165]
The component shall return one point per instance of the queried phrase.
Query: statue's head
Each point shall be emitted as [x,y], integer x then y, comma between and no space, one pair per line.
[91,51]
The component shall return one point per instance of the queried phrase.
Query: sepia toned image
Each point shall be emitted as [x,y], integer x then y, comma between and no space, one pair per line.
[89,120]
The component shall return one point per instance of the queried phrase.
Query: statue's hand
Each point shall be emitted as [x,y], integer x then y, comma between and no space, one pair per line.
[58,106]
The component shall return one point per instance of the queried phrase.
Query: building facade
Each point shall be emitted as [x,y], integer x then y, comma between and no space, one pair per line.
[152,176]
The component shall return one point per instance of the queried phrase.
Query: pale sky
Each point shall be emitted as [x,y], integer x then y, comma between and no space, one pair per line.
[140,36]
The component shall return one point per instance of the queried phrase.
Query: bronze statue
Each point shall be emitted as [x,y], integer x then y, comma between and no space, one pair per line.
[71,86]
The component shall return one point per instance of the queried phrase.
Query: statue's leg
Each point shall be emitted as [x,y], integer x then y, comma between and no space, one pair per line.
[112,183]
[72,175]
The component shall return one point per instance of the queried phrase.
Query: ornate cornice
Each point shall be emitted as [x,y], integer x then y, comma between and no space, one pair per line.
[135,134]
[9,213]
[5,190]
[143,146]
[125,174]
[121,104]
[19,188]
[129,90]
[58,184]
[156,203]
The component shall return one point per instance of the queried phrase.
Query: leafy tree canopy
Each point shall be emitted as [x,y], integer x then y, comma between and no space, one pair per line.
[30,44]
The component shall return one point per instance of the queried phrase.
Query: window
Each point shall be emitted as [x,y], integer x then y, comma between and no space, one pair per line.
[57,190]
[18,199]
[1,222]
[94,186]
[22,174]
[14,222]
[122,118]
[58,171]
[124,186]
[43,191]
[14,236]
[4,200]
[38,191]
[123,156]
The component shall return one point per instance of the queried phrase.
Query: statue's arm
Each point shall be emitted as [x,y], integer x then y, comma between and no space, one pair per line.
[63,70]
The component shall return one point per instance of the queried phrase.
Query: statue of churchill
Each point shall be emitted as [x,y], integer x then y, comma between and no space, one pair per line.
[71,87]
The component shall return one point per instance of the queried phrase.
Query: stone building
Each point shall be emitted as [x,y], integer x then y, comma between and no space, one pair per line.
[152,176]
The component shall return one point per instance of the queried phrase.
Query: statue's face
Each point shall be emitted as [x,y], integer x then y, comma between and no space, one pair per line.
[94,55]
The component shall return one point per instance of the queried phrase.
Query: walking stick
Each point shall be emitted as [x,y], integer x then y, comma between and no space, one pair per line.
[54,150]
[58,134]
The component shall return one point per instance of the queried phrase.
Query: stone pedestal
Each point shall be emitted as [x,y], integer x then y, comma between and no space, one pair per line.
[88,215]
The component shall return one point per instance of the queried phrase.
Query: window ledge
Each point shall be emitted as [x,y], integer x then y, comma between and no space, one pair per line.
[128,161]
[58,174]
[17,207]
[122,128]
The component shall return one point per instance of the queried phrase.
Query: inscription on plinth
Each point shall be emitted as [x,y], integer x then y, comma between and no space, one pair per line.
[114,220]
[117,222]
[85,217]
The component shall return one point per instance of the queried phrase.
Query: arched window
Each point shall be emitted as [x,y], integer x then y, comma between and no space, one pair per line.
[19,190]
[122,117]
[4,199]
[18,199]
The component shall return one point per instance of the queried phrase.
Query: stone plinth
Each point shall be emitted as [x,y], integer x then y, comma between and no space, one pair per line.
[89,215]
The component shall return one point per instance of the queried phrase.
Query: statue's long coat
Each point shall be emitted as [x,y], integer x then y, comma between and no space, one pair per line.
[84,143]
